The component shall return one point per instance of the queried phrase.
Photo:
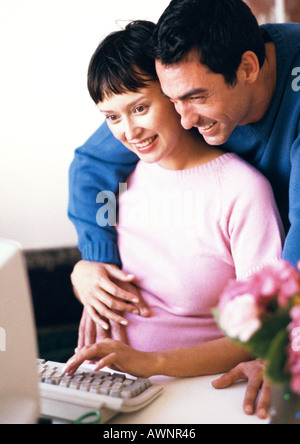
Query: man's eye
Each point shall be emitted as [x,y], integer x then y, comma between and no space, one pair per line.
[197,99]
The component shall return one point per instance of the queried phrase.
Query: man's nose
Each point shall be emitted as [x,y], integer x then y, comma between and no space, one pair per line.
[189,117]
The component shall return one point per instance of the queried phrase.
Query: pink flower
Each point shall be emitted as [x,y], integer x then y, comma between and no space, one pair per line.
[233,290]
[240,318]
[294,349]
[289,279]
[272,291]
[280,281]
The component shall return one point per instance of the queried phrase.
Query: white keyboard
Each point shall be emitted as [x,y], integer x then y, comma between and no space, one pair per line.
[66,398]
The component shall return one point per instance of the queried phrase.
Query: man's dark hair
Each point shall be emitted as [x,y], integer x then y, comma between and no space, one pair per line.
[123,62]
[220,30]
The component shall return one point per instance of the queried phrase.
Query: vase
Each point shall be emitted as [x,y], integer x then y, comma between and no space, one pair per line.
[285,407]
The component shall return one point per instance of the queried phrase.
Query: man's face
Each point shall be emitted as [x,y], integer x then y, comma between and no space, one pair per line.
[203,99]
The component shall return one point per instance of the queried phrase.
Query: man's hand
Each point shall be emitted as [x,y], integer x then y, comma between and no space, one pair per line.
[258,390]
[106,291]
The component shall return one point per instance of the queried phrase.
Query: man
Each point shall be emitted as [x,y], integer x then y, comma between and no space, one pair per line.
[239,85]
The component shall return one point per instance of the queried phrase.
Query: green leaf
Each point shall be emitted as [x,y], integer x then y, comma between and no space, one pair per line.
[272,325]
[277,358]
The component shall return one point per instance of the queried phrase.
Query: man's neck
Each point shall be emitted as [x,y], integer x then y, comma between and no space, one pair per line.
[265,87]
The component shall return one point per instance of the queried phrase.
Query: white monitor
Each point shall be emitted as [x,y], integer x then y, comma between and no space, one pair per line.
[19,395]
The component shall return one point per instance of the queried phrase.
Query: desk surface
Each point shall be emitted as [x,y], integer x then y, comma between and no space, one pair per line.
[192,401]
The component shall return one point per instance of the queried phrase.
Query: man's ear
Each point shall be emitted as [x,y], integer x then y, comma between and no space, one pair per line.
[249,68]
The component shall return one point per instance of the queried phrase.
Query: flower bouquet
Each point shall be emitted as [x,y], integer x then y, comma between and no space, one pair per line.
[263,315]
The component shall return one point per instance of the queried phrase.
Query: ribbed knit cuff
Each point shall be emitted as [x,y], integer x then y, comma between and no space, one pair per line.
[105,252]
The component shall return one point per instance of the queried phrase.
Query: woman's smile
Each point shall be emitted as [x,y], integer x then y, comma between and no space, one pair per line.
[146,145]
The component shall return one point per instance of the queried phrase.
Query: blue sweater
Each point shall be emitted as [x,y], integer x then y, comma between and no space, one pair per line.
[271,145]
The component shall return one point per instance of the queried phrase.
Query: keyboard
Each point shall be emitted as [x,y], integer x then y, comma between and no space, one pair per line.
[66,398]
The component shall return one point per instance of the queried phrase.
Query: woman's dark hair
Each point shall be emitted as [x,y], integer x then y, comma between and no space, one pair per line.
[123,62]
[220,30]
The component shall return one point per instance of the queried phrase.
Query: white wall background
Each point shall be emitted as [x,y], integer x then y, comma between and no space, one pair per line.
[45,109]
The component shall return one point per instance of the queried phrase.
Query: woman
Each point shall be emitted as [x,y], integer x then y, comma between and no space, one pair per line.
[191,218]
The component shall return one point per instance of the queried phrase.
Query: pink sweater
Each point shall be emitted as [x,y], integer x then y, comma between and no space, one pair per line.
[184,234]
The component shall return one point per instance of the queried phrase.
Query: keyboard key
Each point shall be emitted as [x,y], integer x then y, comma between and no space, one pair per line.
[103,383]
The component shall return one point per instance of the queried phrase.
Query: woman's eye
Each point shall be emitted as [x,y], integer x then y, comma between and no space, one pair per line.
[112,118]
[140,109]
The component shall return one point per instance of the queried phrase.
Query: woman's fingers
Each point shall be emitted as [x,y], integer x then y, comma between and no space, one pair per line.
[107,361]
[88,353]
[97,352]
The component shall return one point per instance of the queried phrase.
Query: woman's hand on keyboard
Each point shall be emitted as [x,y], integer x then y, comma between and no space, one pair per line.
[106,291]
[117,356]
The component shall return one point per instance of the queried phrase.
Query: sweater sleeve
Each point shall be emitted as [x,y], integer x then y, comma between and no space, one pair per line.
[99,165]
[291,250]
[253,222]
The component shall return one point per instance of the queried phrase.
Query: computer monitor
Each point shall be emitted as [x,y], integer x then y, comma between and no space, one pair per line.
[19,394]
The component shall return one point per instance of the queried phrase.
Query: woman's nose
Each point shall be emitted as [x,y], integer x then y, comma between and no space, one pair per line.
[131,130]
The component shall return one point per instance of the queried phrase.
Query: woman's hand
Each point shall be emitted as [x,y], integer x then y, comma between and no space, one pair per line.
[117,356]
[89,332]
[105,290]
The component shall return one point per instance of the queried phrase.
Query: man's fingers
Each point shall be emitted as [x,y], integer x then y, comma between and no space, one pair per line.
[143,309]
[141,306]
[264,401]
[97,318]
[258,391]
[113,303]
[117,292]
[117,273]
[98,312]
[229,378]
[253,388]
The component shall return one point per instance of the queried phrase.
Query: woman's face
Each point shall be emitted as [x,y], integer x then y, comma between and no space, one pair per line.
[145,122]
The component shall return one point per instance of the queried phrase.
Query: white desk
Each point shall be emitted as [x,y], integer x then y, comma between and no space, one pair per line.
[192,401]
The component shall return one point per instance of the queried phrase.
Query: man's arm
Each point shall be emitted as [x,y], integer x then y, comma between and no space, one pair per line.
[291,250]
[99,165]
